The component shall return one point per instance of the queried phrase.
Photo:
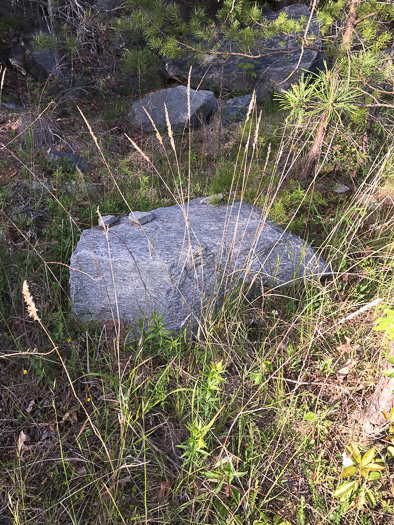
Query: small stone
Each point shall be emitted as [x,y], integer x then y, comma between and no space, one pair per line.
[11,106]
[235,109]
[107,220]
[3,239]
[341,188]
[75,161]
[141,217]
[212,199]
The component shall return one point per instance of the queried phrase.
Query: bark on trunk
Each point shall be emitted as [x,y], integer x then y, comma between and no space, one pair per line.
[372,421]
[315,152]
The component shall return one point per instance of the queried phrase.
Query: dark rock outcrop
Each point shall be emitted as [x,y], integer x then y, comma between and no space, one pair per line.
[279,57]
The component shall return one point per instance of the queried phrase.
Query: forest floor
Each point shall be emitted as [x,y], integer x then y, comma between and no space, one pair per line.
[245,424]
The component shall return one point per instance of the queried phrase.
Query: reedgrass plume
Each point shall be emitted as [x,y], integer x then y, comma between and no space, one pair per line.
[31,307]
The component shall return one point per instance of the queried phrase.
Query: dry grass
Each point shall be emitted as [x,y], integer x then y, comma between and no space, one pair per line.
[37,130]
[91,425]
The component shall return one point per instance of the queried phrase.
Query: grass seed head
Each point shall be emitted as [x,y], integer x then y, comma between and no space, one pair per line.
[31,307]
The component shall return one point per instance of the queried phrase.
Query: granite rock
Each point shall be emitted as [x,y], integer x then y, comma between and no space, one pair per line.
[203,104]
[183,263]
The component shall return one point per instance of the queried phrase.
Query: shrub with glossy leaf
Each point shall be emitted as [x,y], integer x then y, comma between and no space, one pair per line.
[367,468]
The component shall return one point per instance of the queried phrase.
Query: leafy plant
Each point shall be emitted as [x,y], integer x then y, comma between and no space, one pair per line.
[206,399]
[156,334]
[195,445]
[209,389]
[386,323]
[276,520]
[366,468]
[390,422]
[44,41]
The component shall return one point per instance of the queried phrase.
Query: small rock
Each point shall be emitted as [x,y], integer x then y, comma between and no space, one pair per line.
[107,220]
[75,160]
[69,88]
[235,109]
[106,6]
[341,188]
[11,106]
[212,199]
[3,239]
[42,64]
[141,217]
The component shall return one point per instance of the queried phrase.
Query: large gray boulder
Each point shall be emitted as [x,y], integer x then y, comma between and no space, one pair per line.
[264,74]
[182,262]
[202,105]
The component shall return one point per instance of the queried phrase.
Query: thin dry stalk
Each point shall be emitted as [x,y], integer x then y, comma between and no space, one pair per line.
[33,313]
[37,131]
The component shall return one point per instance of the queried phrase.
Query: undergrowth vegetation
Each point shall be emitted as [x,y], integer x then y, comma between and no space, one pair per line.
[247,422]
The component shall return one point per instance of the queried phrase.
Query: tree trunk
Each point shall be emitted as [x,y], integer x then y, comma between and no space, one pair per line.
[347,39]
[372,421]
[315,152]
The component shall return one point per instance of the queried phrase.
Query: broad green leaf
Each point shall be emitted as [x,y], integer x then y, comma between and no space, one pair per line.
[384,324]
[370,497]
[210,474]
[354,453]
[345,489]
[389,373]
[385,415]
[348,471]
[309,416]
[390,452]
[385,321]
[263,519]
[236,495]
[374,467]
[391,360]
[368,456]
[373,476]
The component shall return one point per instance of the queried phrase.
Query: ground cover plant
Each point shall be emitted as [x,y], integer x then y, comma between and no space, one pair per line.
[256,420]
